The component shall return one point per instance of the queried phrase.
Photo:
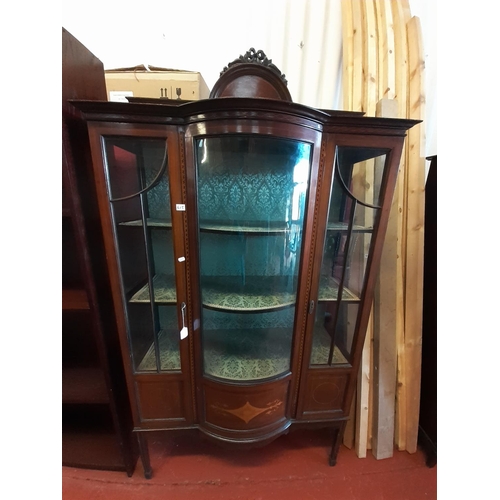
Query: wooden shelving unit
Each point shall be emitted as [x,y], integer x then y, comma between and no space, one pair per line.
[84,386]
[96,420]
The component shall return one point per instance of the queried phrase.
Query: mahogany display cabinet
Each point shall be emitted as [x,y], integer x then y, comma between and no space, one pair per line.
[243,237]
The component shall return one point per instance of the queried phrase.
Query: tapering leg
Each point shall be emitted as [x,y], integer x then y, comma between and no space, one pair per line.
[144,452]
[338,432]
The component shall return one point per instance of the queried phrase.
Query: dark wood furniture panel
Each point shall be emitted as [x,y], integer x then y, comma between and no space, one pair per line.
[96,420]
[427,433]
[84,386]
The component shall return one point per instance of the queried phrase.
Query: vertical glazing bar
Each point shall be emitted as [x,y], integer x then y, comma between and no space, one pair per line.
[151,272]
[342,279]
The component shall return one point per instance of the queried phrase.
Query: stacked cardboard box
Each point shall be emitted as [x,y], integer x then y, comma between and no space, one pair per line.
[155,82]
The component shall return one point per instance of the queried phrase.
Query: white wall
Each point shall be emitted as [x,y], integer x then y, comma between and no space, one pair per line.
[302,37]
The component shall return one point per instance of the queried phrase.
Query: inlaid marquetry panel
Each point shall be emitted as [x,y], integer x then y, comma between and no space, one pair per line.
[324,392]
[245,408]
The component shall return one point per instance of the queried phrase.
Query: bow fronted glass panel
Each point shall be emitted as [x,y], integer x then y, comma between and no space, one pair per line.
[252,198]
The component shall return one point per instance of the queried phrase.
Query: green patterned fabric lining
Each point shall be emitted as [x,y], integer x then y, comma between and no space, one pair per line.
[329,290]
[241,354]
[229,293]
[170,358]
[165,291]
[321,348]
[253,293]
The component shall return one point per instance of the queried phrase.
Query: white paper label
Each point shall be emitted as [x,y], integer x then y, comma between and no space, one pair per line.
[180,207]
[120,95]
[181,259]
[184,332]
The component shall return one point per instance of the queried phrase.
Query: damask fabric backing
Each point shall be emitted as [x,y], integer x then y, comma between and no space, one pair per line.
[239,355]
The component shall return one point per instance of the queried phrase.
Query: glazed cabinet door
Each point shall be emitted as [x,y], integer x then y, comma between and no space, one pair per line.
[140,191]
[250,232]
[355,204]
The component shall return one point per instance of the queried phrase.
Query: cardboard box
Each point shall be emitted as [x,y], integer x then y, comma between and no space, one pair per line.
[152,81]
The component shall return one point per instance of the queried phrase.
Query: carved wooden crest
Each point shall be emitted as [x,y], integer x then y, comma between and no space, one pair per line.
[258,57]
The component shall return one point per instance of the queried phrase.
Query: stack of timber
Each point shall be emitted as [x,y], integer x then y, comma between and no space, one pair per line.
[383,75]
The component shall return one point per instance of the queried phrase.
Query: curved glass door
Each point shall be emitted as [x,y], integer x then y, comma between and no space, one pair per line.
[139,195]
[353,210]
[252,194]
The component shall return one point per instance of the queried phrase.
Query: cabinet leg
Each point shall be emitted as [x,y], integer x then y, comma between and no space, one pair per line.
[144,452]
[338,432]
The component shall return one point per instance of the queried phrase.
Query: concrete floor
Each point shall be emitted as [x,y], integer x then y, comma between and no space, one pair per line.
[292,467]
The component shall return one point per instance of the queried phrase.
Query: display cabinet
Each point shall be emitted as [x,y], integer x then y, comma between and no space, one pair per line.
[243,236]
[96,417]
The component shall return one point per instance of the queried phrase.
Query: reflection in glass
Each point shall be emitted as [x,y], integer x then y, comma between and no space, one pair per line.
[137,177]
[354,199]
[251,208]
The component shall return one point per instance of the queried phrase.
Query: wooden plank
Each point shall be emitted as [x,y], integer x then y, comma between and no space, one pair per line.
[362,401]
[357,56]
[415,232]
[370,58]
[405,6]
[384,331]
[347,58]
[386,50]
[371,393]
[401,64]
[362,171]
[370,97]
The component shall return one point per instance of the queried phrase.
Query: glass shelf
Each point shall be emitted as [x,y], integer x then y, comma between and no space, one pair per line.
[220,227]
[342,226]
[152,222]
[251,227]
[229,293]
[165,292]
[329,291]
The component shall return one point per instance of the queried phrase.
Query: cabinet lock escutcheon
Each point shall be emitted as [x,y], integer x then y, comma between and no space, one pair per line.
[311,306]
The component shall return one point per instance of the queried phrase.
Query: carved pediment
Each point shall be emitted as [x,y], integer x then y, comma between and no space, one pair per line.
[257,57]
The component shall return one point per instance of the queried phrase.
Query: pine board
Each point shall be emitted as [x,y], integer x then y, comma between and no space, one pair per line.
[386,50]
[399,15]
[415,232]
[347,54]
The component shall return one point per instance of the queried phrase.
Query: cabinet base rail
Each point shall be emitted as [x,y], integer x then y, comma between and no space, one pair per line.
[337,427]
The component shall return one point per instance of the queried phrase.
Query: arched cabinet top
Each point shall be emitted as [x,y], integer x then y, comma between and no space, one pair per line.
[252,75]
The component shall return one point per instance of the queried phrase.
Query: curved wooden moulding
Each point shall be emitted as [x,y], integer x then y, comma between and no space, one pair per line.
[252,75]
